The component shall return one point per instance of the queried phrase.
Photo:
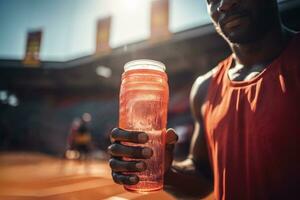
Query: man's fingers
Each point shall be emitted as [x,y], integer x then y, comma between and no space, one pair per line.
[125,179]
[119,150]
[171,137]
[128,136]
[126,166]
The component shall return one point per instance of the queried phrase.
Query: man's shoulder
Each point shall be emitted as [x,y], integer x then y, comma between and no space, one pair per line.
[200,89]
[200,85]
[203,79]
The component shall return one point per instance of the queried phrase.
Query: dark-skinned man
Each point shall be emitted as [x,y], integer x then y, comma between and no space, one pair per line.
[247,114]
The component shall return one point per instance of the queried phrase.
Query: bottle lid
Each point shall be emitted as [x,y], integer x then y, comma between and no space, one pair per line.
[144,64]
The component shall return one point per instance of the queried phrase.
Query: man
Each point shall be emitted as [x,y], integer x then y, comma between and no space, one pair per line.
[246,111]
[80,139]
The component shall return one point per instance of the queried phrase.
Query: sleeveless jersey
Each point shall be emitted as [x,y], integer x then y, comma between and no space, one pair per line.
[253,130]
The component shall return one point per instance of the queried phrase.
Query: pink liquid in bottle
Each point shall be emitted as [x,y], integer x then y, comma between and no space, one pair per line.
[144,96]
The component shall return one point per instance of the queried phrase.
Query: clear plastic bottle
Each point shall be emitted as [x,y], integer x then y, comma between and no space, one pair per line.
[144,97]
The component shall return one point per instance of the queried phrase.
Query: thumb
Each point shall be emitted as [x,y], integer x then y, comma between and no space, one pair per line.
[171,137]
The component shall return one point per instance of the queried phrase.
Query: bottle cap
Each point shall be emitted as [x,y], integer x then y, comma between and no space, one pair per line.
[144,64]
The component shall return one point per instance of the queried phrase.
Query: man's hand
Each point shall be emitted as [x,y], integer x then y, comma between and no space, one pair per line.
[118,151]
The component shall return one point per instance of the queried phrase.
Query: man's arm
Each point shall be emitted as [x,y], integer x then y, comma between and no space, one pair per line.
[193,176]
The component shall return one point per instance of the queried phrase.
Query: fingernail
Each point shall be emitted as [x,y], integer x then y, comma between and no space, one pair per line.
[147,152]
[132,179]
[139,165]
[142,137]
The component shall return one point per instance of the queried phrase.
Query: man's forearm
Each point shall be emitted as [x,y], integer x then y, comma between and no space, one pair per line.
[187,182]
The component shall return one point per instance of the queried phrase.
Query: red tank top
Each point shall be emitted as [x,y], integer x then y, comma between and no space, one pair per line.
[253,130]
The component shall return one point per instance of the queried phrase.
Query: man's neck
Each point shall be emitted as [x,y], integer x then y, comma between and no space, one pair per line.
[262,51]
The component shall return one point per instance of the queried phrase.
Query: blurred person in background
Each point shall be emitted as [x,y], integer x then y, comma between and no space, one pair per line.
[79,141]
[247,133]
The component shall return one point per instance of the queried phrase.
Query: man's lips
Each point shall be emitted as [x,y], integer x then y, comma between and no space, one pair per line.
[233,21]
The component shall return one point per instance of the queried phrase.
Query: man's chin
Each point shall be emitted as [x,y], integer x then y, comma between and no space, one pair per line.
[239,38]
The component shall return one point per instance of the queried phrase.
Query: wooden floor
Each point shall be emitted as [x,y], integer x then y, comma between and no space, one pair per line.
[26,176]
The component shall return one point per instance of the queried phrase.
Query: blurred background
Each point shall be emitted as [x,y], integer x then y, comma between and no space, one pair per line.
[61,64]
